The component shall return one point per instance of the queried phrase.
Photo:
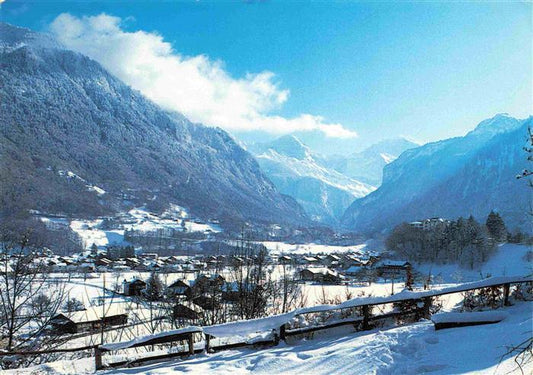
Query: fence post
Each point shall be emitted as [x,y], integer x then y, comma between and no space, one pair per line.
[425,310]
[506,289]
[97,358]
[282,332]
[190,341]
[207,342]
[366,316]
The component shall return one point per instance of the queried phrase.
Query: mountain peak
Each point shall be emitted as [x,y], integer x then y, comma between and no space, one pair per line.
[291,146]
[391,146]
[500,123]
[12,37]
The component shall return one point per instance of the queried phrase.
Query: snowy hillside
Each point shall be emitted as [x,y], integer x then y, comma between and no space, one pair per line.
[467,175]
[323,193]
[86,122]
[509,259]
[137,219]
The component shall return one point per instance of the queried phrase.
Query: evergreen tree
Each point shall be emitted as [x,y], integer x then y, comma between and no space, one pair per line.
[154,287]
[73,304]
[496,227]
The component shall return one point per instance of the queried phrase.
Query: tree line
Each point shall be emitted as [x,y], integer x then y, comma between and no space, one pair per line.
[463,241]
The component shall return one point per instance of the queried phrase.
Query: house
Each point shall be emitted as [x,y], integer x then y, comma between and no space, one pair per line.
[181,288]
[284,259]
[206,302]
[210,280]
[429,224]
[353,270]
[320,274]
[91,319]
[104,262]
[392,268]
[417,224]
[230,292]
[331,259]
[67,260]
[152,256]
[173,260]
[309,260]
[372,259]
[132,262]
[156,264]
[86,267]
[186,312]
[133,287]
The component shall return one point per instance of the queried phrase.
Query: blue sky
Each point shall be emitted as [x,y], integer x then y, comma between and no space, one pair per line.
[424,70]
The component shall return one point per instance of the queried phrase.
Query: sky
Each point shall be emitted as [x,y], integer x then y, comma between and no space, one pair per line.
[341,75]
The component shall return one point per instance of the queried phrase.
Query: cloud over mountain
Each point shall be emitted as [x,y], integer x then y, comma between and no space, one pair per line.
[196,86]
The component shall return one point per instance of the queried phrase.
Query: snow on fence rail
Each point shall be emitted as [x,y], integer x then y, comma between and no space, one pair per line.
[247,327]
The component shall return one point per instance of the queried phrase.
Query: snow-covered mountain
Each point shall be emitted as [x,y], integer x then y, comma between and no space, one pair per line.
[466,175]
[322,192]
[61,111]
[367,166]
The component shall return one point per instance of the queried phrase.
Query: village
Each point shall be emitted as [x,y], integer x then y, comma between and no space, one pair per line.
[199,289]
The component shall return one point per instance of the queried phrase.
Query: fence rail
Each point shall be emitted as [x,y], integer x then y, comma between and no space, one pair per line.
[51,351]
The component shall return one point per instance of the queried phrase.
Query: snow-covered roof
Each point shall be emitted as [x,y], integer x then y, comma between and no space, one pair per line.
[394,263]
[96,313]
[321,270]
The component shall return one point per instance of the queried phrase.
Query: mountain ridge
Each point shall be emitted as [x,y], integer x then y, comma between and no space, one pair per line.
[451,178]
[68,113]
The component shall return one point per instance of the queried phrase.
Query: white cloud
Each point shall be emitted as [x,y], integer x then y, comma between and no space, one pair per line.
[196,86]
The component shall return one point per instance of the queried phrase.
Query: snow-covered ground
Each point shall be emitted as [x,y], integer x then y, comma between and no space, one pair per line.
[509,259]
[311,248]
[90,233]
[411,349]
[138,219]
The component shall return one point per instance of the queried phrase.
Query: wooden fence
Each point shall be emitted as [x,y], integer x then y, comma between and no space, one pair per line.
[421,300]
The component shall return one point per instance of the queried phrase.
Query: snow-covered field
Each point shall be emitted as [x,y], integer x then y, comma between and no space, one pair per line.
[311,248]
[412,349]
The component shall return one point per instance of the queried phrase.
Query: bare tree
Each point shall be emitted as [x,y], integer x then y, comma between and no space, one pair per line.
[254,284]
[290,289]
[28,297]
